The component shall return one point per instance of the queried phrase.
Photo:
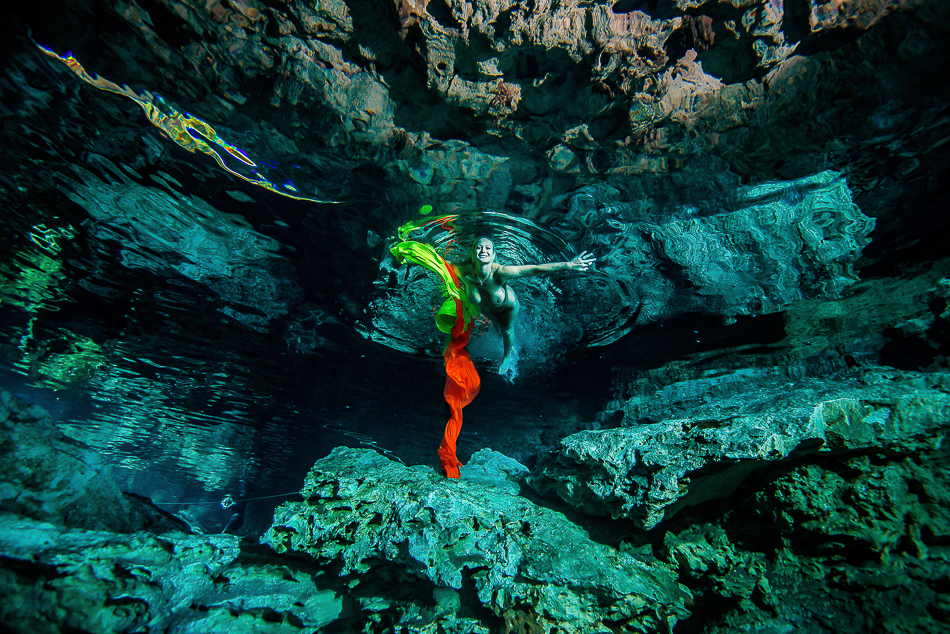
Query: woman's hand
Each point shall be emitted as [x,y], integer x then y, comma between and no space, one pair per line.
[582,262]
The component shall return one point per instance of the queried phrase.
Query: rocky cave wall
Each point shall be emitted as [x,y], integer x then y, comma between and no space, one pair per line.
[511,105]
[795,486]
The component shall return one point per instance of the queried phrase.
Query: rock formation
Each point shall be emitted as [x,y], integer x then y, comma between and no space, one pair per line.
[494,104]
[58,579]
[835,545]
[52,479]
[526,564]
[197,200]
[651,470]
[471,558]
[693,431]
[848,537]
[79,555]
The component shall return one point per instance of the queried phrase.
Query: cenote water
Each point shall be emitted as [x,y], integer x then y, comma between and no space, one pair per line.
[196,277]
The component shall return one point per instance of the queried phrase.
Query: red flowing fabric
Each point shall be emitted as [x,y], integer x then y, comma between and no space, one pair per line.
[456,318]
[461,383]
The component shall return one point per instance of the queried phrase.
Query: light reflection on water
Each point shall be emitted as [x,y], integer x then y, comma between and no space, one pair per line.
[203,339]
[190,404]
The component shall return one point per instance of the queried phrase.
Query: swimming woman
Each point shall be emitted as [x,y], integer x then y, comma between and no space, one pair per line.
[490,290]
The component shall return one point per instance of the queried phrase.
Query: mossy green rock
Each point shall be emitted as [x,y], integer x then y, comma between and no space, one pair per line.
[648,472]
[527,563]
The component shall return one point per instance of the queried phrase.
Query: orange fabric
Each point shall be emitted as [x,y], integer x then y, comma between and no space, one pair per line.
[461,386]
[461,382]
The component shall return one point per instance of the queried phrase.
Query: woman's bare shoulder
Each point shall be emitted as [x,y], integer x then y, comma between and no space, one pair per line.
[507,270]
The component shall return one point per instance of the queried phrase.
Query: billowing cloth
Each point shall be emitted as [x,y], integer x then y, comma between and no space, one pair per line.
[456,305]
[456,317]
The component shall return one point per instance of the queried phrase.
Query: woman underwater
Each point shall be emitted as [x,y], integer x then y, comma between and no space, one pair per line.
[490,291]
[477,284]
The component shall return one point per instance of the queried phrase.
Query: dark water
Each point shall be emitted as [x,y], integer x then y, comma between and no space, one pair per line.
[186,421]
[214,329]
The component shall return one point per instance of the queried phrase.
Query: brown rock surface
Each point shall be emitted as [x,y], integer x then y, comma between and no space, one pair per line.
[583,90]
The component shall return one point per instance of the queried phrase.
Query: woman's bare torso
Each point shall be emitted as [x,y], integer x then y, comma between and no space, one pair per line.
[492,293]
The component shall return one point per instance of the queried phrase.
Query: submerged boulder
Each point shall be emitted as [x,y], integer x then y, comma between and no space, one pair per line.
[56,579]
[50,477]
[527,564]
[650,471]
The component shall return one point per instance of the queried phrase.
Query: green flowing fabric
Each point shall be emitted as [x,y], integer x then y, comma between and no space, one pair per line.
[454,288]
[456,317]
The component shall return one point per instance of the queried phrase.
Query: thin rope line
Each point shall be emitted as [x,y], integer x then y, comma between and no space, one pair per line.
[227,502]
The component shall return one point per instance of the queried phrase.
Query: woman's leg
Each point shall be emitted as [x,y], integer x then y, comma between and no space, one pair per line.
[506,324]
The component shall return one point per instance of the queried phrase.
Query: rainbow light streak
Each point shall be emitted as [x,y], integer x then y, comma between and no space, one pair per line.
[189,132]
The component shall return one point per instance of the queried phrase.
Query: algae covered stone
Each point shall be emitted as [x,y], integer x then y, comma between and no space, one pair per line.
[360,510]
[650,471]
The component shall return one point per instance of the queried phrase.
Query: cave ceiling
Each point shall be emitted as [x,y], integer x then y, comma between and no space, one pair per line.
[510,105]
[302,129]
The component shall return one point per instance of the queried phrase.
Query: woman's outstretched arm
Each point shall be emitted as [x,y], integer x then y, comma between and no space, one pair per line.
[580,263]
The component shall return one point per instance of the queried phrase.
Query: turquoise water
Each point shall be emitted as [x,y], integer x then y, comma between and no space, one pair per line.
[204,324]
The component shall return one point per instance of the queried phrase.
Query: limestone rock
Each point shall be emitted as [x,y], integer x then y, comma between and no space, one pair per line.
[76,554]
[491,468]
[864,503]
[827,15]
[655,90]
[649,471]
[705,557]
[845,546]
[528,564]
[95,581]
[49,477]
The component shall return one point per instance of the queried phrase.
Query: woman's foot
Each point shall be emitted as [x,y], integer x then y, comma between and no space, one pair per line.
[509,366]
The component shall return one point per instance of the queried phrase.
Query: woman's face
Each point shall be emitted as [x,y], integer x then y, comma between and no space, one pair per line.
[483,251]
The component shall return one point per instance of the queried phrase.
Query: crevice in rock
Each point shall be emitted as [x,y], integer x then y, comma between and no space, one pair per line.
[168,26]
